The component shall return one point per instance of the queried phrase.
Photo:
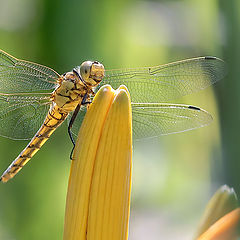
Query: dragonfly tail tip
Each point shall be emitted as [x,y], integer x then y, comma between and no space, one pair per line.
[3,180]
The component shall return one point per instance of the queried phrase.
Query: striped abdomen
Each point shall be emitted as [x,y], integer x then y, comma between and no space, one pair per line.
[54,118]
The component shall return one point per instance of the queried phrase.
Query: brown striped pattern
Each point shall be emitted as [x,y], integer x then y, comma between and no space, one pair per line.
[54,118]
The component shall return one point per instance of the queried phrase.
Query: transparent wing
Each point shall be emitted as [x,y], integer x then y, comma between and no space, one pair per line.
[21,115]
[150,120]
[78,121]
[20,76]
[166,82]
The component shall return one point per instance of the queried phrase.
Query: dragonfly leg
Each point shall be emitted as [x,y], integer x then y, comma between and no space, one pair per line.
[86,101]
[88,104]
[75,113]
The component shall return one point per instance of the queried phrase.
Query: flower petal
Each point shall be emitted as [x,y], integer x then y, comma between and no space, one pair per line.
[226,228]
[100,181]
[222,202]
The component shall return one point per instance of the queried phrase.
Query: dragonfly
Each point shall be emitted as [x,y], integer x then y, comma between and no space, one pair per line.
[35,99]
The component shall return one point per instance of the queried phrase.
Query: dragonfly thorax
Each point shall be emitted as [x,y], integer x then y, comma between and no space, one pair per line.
[69,92]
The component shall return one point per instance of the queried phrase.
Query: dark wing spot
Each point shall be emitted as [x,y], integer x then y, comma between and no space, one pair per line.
[210,58]
[194,108]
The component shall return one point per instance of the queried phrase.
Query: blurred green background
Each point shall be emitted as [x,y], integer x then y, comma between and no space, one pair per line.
[172,178]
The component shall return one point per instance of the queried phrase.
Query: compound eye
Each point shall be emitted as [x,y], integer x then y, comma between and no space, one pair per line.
[85,69]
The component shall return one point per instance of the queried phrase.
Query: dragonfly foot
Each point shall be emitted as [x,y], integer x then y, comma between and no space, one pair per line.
[71,154]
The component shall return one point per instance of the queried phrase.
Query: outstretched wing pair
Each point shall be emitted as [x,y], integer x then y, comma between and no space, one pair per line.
[25,90]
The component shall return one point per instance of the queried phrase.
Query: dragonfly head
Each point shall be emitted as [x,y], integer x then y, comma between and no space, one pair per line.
[92,73]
